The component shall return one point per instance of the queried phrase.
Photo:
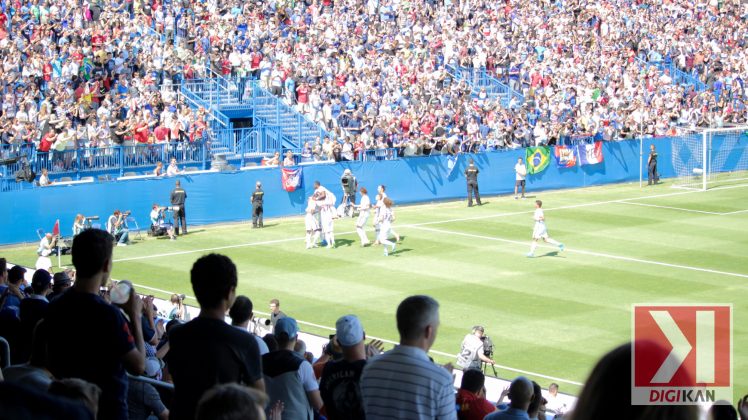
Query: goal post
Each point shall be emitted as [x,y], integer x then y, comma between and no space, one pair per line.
[711,158]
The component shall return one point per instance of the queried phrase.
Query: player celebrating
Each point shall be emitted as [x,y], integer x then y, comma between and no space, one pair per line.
[363,215]
[386,217]
[540,232]
[312,227]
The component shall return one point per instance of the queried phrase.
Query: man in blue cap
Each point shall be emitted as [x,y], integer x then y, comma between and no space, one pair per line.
[340,380]
[288,377]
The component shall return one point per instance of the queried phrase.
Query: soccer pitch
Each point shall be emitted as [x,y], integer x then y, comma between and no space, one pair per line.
[553,315]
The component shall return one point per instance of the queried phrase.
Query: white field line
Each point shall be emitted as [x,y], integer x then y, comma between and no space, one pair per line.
[440,353]
[735,212]
[674,208]
[590,253]
[436,222]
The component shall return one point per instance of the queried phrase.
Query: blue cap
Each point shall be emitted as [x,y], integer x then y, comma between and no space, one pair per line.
[288,326]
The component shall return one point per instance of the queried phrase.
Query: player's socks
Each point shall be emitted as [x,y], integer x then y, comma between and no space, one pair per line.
[530,255]
[561,247]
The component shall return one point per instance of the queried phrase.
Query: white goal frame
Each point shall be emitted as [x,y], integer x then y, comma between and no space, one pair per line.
[706,164]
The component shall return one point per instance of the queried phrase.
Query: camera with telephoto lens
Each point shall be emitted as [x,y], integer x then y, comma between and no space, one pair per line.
[262,321]
[89,218]
[126,213]
[487,346]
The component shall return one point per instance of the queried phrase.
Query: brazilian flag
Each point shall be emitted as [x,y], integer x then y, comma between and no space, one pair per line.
[537,159]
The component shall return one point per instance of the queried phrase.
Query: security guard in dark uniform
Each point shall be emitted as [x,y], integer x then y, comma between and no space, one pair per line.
[257,198]
[652,176]
[471,175]
[178,197]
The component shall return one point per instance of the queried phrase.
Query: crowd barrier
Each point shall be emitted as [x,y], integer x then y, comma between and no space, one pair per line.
[408,180]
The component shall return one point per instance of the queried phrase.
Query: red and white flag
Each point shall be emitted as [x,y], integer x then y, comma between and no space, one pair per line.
[56,228]
[291,179]
[590,154]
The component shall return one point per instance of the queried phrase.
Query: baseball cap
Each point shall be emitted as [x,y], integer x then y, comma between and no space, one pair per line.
[62,279]
[348,331]
[41,280]
[288,326]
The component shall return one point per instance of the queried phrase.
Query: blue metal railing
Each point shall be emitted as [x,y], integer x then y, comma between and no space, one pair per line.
[118,159]
[479,79]
[679,77]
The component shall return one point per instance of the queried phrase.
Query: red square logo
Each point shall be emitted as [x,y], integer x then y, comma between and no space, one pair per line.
[682,354]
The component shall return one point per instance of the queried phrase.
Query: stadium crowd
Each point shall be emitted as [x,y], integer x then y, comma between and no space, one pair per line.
[83,348]
[92,74]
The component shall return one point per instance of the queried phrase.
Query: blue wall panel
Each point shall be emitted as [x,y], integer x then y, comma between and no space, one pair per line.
[221,197]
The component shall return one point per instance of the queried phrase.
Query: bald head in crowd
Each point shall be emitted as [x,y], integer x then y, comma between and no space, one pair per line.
[520,392]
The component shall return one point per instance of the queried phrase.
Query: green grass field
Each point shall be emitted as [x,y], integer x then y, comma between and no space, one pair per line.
[553,315]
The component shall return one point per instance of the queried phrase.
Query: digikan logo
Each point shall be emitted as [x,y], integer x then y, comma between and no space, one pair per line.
[681,355]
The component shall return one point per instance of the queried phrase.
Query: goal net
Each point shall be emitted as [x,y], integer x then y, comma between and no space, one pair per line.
[711,158]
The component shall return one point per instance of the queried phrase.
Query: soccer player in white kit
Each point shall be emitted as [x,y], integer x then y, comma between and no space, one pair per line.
[310,222]
[540,232]
[386,217]
[380,204]
[326,202]
[364,207]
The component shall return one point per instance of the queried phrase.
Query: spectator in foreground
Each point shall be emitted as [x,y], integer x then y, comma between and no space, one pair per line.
[604,392]
[33,373]
[3,275]
[73,351]
[340,383]
[75,389]
[33,309]
[404,382]
[10,302]
[233,402]
[289,378]
[61,283]
[471,397]
[206,351]
[240,314]
[520,394]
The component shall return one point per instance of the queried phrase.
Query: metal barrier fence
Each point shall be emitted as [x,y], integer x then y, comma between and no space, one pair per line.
[679,76]
[75,163]
[481,79]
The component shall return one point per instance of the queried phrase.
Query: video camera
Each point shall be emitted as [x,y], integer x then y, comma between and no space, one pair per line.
[126,213]
[487,346]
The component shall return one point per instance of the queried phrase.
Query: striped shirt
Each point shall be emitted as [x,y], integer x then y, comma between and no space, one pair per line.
[404,384]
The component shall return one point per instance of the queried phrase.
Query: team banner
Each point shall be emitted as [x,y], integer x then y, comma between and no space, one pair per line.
[590,154]
[566,157]
[537,159]
[291,179]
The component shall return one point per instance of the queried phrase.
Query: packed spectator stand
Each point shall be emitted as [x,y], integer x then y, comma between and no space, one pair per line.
[128,84]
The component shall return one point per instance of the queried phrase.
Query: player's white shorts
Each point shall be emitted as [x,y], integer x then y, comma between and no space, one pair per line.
[326,221]
[363,217]
[539,232]
[384,231]
[311,223]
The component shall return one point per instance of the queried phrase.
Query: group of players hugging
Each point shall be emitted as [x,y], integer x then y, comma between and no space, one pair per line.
[321,212]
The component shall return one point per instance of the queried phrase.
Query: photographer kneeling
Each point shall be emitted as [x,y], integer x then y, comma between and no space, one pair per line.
[474,350]
[117,227]
[159,226]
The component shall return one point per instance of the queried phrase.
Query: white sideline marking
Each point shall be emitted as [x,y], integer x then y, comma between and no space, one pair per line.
[674,208]
[441,353]
[735,212]
[591,253]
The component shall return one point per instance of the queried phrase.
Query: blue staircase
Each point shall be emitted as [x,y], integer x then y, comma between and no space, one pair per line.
[276,126]
[679,76]
[478,79]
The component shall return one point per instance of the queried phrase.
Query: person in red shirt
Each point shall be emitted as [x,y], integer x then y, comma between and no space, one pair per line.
[46,142]
[141,132]
[471,397]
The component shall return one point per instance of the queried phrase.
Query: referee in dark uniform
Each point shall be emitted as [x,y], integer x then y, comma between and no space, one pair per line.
[257,198]
[178,197]
[471,175]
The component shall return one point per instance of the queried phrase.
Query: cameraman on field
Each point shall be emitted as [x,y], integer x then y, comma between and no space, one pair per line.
[473,350]
[117,227]
[349,185]
[159,225]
